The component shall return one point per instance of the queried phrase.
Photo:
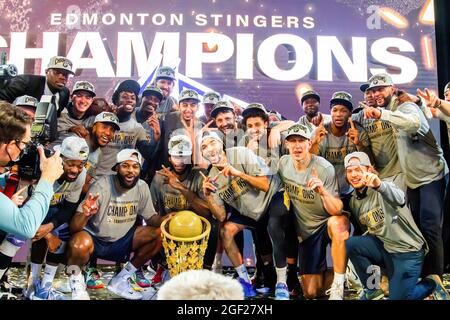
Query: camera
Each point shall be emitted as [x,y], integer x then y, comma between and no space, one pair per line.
[43,130]
[7,71]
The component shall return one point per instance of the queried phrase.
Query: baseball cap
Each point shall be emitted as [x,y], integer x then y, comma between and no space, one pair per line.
[221,106]
[165,72]
[128,154]
[85,86]
[107,117]
[26,101]
[380,80]
[310,94]
[361,156]
[254,106]
[73,148]
[211,135]
[153,91]
[363,87]
[188,94]
[342,97]
[447,87]
[180,145]
[211,97]
[127,85]
[60,62]
[298,130]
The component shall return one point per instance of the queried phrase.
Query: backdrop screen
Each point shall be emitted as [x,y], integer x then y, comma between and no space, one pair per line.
[247,50]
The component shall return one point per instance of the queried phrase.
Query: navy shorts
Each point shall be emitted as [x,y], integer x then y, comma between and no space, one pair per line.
[313,252]
[117,251]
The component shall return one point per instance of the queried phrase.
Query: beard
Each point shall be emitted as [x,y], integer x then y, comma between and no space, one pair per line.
[125,184]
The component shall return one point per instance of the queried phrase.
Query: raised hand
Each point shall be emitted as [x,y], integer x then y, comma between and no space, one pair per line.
[170,178]
[51,167]
[154,124]
[315,183]
[317,120]
[90,206]
[230,171]
[371,180]
[274,139]
[352,133]
[430,99]
[320,133]
[372,113]
[207,185]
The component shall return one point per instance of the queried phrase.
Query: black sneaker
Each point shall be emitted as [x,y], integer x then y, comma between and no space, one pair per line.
[293,283]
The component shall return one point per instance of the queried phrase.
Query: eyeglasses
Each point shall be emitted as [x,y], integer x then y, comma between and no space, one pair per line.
[22,150]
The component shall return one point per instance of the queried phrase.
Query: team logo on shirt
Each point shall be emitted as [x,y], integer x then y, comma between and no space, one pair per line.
[122,212]
[378,128]
[175,202]
[234,190]
[57,198]
[300,193]
[374,219]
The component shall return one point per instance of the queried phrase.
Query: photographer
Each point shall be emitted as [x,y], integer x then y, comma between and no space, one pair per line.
[54,83]
[15,134]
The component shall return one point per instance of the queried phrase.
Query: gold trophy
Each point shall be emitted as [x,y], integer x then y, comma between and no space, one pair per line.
[185,238]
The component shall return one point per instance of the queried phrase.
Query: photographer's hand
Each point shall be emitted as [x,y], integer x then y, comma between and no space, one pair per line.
[51,167]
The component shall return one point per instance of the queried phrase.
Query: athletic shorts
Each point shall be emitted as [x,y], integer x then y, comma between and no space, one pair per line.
[313,252]
[117,251]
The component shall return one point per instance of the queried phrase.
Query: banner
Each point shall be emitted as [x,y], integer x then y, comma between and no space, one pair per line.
[247,50]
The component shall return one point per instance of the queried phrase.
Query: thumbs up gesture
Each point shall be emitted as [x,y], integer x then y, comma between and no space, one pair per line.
[315,183]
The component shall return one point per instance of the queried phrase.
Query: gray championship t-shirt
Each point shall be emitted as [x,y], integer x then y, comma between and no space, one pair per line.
[383,142]
[307,205]
[118,208]
[167,199]
[126,138]
[420,156]
[238,193]
[69,191]
[334,149]
[382,213]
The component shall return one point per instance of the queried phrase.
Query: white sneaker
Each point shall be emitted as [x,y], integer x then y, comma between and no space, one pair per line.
[29,291]
[353,281]
[336,292]
[122,287]
[78,287]
[63,286]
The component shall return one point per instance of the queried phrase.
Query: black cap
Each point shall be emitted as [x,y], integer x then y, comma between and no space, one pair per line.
[343,98]
[364,87]
[127,85]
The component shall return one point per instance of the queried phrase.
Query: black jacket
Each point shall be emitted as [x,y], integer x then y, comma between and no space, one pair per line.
[31,85]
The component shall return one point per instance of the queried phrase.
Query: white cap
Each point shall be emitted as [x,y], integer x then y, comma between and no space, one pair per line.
[26,101]
[180,145]
[107,117]
[128,154]
[211,135]
[60,62]
[73,148]
[361,156]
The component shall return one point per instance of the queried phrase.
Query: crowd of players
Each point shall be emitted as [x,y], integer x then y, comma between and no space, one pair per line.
[368,180]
